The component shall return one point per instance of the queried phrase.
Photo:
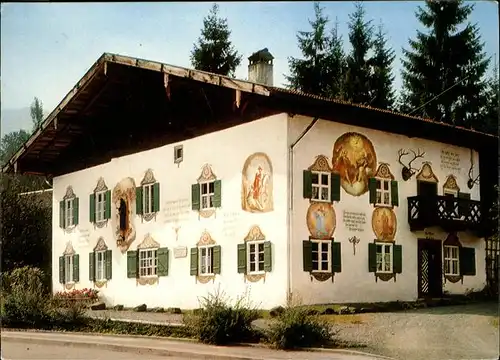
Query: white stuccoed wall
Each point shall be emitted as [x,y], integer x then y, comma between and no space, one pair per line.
[226,151]
[355,283]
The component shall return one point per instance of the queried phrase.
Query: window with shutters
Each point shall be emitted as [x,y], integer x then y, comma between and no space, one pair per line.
[68,269]
[255,257]
[207,192]
[321,255]
[383,192]
[147,199]
[69,219]
[451,260]
[320,182]
[100,206]
[384,258]
[100,265]
[148,262]
[206,260]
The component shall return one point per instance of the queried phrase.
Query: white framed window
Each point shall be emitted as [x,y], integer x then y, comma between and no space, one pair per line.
[384,258]
[207,190]
[321,186]
[68,269]
[178,154]
[148,262]
[147,199]
[68,213]
[383,192]
[321,255]
[100,206]
[451,260]
[206,260]
[255,257]
[100,265]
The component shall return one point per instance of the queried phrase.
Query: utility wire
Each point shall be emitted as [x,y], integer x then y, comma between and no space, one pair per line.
[438,95]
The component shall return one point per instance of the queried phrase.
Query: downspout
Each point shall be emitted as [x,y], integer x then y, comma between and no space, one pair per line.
[290,206]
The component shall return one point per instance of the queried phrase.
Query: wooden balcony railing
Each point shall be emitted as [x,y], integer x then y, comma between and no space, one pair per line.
[449,213]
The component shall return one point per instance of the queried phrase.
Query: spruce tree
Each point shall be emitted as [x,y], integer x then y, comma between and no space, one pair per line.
[214,51]
[358,77]
[336,66]
[490,124]
[443,72]
[36,111]
[310,73]
[381,87]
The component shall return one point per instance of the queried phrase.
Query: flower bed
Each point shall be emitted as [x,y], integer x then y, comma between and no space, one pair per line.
[85,296]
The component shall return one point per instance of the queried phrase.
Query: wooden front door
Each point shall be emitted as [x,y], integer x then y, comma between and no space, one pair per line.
[430,281]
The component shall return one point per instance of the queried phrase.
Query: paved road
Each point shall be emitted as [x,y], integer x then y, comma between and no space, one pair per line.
[12,350]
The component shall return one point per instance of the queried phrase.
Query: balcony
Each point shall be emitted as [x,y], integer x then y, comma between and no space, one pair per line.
[449,213]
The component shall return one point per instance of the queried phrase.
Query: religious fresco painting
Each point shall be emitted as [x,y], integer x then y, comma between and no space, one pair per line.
[355,160]
[257,184]
[124,199]
[384,224]
[321,220]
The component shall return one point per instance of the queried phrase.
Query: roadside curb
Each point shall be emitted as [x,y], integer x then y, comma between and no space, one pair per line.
[16,335]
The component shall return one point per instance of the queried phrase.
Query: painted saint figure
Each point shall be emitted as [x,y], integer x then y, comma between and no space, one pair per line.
[256,194]
[319,216]
[257,184]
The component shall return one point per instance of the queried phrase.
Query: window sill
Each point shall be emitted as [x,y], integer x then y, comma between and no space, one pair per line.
[384,272]
[256,273]
[206,275]
[321,272]
[207,209]
[383,205]
[328,201]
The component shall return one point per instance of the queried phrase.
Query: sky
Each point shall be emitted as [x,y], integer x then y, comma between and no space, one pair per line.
[47,47]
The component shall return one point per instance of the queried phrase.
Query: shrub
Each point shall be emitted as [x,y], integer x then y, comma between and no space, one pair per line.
[294,328]
[220,323]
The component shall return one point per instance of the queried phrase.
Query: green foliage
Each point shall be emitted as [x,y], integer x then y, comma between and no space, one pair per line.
[214,51]
[11,143]
[221,323]
[26,225]
[446,62]
[490,124]
[36,111]
[294,328]
[358,78]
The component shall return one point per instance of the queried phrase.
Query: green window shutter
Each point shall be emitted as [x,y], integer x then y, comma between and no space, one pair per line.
[394,193]
[92,208]
[61,214]
[335,186]
[156,197]
[138,200]
[108,258]
[76,268]
[75,211]
[268,257]
[307,184]
[162,255]
[217,193]
[131,264]
[194,261]
[397,261]
[336,257]
[372,257]
[107,210]
[467,261]
[91,266]
[195,196]
[372,187]
[61,269]
[242,258]
[217,259]
[307,255]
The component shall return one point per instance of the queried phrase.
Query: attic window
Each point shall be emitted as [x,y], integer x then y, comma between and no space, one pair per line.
[178,154]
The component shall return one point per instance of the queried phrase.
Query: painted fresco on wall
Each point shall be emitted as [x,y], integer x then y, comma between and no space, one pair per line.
[321,220]
[427,174]
[384,224]
[123,220]
[257,184]
[355,160]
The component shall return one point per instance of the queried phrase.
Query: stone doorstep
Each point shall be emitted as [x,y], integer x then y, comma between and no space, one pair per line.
[214,355]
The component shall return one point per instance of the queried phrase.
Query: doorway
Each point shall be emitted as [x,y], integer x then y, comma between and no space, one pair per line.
[430,281]
[427,192]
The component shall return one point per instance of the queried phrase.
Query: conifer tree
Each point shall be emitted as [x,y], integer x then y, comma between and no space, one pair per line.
[358,77]
[443,72]
[491,113]
[214,51]
[336,65]
[381,87]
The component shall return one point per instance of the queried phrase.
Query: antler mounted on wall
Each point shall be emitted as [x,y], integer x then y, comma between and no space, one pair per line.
[472,181]
[408,171]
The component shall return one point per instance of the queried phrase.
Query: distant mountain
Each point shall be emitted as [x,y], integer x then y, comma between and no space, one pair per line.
[15,119]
